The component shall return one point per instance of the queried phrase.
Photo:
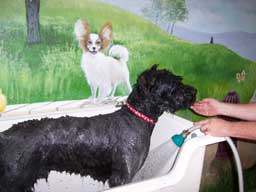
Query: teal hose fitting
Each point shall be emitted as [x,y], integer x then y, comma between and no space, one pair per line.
[179,139]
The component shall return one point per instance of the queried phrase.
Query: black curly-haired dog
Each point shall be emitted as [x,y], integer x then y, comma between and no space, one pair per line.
[109,147]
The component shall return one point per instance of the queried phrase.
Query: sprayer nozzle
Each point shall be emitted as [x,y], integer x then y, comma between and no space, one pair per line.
[178,139]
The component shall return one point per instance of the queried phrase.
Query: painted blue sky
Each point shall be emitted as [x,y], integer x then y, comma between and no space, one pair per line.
[210,16]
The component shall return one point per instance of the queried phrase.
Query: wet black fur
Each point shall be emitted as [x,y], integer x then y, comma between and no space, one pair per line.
[109,147]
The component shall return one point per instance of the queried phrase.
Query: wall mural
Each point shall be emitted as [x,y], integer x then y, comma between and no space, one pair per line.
[56,50]
[40,56]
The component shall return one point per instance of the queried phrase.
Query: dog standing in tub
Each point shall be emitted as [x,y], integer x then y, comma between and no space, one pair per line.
[103,73]
[110,147]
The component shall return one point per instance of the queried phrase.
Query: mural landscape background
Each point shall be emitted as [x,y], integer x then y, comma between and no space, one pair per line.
[50,70]
[231,23]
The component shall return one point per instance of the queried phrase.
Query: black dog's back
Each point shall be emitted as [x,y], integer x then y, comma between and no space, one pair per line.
[86,146]
[37,146]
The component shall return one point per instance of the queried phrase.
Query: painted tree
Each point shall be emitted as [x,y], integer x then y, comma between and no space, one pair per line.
[154,11]
[174,11]
[32,17]
[211,41]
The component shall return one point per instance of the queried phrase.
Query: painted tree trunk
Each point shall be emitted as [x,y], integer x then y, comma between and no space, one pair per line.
[32,16]
[172,27]
[156,19]
[168,27]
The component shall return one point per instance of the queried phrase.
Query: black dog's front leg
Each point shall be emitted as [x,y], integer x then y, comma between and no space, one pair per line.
[122,170]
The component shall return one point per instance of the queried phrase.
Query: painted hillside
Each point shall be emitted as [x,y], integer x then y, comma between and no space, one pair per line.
[51,71]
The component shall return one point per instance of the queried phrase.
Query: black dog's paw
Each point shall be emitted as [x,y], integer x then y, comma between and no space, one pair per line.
[116,180]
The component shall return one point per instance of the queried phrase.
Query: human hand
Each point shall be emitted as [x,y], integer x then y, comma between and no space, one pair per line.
[214,127]
[207,107]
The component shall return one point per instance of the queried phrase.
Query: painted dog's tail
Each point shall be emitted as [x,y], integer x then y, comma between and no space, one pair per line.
[119,52]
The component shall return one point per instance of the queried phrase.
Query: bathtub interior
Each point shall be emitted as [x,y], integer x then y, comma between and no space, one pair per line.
[160,161]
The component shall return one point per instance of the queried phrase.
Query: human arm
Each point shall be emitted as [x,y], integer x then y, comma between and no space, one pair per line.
[212,107]
[240,111]
[222,128]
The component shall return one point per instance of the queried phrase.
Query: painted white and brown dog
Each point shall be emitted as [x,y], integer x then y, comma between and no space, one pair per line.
[103,73]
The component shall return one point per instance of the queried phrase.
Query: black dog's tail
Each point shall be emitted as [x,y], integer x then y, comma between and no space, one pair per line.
[2,140]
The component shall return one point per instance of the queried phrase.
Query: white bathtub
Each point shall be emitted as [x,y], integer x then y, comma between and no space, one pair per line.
[185,168]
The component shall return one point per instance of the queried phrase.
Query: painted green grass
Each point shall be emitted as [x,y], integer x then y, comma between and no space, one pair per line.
[51,70]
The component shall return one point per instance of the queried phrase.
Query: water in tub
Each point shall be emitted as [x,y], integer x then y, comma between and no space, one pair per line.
[159,162]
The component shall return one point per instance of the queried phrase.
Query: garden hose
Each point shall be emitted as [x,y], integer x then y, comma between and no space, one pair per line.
[179,139]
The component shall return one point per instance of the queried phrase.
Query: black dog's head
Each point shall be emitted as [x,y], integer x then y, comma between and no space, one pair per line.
[165,89]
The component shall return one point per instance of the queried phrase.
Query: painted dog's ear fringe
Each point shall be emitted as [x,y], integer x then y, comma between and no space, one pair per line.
[82,33]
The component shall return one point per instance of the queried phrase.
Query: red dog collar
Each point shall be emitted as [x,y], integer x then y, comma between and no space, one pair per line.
[140,115]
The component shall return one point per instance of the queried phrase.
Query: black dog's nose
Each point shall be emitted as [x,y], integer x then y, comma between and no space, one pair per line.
[193,92]
[94,48]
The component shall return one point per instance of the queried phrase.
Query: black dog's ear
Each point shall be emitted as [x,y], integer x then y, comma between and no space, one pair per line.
[154,67]
[145,84]
[146,80]
[179,78]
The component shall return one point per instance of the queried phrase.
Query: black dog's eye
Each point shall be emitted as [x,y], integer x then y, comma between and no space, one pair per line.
[179,96]
[89,42]
[97,42]
[167,94]
[164,94]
